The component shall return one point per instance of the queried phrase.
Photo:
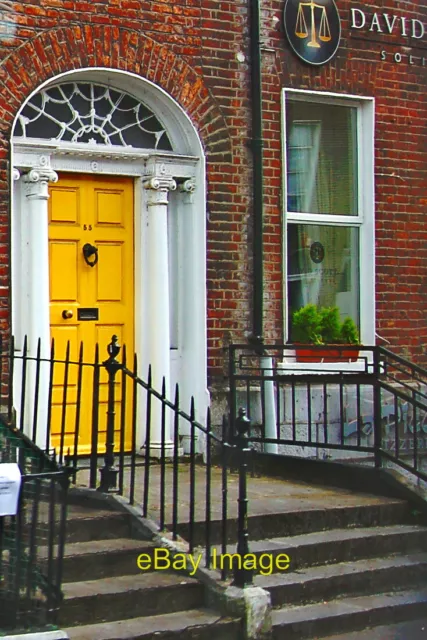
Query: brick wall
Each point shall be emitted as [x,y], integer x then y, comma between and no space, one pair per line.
[399,89]
[197,51]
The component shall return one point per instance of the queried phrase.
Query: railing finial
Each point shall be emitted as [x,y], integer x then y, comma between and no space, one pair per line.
[113,348]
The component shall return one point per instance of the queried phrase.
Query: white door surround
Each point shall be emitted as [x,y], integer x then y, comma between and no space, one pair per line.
[170,232]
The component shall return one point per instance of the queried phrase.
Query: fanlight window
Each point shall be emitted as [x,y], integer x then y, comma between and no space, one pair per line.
[91,113]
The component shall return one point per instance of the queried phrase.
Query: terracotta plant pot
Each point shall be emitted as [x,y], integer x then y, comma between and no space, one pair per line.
[334,353]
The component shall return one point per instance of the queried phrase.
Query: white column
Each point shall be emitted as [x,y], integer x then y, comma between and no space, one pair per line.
[158,311]
[188,315]
[37,195]
[38,299]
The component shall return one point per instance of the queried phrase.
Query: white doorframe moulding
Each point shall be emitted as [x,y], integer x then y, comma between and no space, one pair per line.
[187,361]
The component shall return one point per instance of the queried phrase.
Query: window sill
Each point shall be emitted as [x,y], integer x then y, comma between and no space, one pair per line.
[289,365]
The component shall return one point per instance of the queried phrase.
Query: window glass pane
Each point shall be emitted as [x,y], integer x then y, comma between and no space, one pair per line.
[321,158]
[323,268]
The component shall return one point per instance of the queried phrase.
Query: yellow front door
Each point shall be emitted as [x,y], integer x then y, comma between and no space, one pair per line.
[91,246]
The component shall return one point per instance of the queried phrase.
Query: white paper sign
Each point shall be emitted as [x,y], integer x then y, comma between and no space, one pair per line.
[10,484]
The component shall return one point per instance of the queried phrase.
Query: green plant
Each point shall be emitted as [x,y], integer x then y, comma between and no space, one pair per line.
[322,325]
[349,332]
[330,325]
[306,325]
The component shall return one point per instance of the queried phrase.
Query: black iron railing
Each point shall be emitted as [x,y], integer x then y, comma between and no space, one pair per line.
[90,415]
[403,419]
[32,541]
[333,402]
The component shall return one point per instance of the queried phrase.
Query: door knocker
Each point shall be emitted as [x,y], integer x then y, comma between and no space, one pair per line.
[90,250]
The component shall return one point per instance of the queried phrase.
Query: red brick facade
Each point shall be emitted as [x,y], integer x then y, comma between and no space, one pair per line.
[190,49]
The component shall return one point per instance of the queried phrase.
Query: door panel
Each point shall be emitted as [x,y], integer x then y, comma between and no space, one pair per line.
[97,210]
[64,288]
[110,272]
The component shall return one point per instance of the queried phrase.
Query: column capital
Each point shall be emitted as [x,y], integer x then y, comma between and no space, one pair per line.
[160,183]
[187,189]
[36,182]
[158,188]
[188,186]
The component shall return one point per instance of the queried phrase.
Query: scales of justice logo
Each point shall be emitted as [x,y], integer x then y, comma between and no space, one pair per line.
[313,29]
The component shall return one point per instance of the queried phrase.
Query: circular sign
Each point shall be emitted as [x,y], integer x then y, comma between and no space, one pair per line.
[313,29]
[317,252]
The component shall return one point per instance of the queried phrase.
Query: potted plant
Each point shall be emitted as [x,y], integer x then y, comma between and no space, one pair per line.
[312,325]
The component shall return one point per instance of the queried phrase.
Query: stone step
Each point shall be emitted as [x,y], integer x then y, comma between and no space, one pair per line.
[103,558]
[383,512]
[85,525]
[147,594]
[195,624]
[409,630]
[326,582]
[350,614]
[337,545]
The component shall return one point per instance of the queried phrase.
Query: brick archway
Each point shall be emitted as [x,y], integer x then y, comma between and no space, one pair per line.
[62,50]
[65,49]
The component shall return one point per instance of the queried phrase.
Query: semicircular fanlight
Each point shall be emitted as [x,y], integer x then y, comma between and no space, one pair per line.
[91,113]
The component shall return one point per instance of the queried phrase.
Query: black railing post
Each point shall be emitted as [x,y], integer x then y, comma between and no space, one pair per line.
[232,398]
[377,409]
[109,471]
[243,577]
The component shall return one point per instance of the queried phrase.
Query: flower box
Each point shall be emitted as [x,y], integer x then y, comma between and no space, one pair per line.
[333,353]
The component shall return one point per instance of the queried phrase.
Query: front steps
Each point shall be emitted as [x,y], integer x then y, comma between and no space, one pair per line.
[351,567]
[107,597]
[356,561]
[348,578]
[319,620]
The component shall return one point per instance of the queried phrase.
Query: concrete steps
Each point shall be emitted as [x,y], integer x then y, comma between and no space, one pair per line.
[91,560]
[126,597]
[355,563]
[344,545]
[329,617]
[409,630]
[306,518]
[370,572]
[107,596]
[345,579]
[199,624]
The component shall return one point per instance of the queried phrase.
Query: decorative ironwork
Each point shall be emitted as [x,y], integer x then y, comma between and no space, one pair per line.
[91,113]
[379,409]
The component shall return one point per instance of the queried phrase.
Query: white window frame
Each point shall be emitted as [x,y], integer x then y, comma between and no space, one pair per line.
[365,220]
